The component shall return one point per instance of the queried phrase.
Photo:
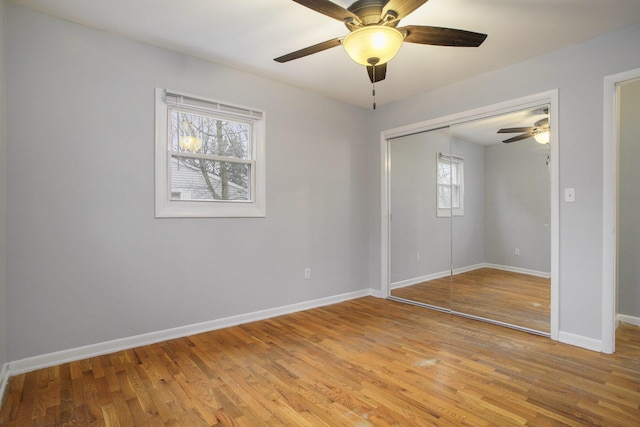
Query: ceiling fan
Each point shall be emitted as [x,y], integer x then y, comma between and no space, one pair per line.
[539,131]
[374,36]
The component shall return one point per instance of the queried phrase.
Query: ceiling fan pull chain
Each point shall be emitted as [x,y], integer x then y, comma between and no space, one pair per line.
[373,63]
[373,92]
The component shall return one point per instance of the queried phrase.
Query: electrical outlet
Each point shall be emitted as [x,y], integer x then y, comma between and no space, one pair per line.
[517,251]
[418,257]
[307,273]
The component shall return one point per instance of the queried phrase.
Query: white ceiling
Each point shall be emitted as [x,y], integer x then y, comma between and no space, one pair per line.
[248,34]
[485,131]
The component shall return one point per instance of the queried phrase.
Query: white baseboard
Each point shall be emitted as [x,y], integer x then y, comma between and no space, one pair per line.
[543,274]
[632,320]
[416,280]
[377,293]
[580,341]
[460,270]
[64,356]
[469,268]
[4,379]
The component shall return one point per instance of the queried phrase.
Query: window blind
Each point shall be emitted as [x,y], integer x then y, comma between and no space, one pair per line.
[185,101]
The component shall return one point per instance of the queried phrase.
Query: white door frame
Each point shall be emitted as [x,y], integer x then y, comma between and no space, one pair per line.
[549,97]
[610,206]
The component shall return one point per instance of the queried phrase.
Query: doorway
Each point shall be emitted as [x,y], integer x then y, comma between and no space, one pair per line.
[628,286]
[614,220]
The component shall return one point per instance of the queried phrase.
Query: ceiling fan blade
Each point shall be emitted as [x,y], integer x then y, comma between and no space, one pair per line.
[442,36]
[402,7]
[543,122]
[329,9]
[309,50]
[519,137]
[516,130]
[381,72]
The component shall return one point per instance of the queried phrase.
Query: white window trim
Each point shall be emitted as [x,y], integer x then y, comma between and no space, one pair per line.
[167,208]
[448,212]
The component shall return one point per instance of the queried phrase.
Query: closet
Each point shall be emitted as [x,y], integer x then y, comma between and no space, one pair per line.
[469,217]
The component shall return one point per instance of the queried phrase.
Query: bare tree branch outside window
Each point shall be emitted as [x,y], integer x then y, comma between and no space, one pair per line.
[224,168]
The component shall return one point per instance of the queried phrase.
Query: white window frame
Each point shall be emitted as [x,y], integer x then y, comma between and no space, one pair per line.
[444,211]
[168,208]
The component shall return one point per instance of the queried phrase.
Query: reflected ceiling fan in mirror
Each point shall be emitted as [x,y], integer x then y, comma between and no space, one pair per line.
[374,37]
[539,131]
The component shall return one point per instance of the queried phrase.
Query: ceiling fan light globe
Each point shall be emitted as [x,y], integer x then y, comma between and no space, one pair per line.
[542,137]
[190,143]
[373,42]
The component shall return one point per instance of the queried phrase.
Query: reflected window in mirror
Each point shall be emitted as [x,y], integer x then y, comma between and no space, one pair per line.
[450,185]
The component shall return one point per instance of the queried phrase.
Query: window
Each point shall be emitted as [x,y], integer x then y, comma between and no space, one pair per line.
[209,158]
[450,185]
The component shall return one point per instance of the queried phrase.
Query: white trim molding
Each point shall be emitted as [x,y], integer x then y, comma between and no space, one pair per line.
[84,352]
[468,268]
[580,341]
[631,320]
[460,270]
[378,293]
[420,279]
[610,206]
[168,207]
[4,379]
[543,274]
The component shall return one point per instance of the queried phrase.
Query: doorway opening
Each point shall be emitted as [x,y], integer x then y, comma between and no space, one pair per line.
[618,273]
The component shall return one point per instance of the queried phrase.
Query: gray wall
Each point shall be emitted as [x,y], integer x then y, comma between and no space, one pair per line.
[629,201]
[517,205]
[87,262]
[3,181]
[468,233]
[578,72]
[415,229]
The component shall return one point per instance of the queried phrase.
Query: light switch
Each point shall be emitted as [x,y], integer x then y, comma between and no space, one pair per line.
[569,195]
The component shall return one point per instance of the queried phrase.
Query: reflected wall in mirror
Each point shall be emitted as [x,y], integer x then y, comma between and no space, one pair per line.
[502,245]
[420,239]
[483,249]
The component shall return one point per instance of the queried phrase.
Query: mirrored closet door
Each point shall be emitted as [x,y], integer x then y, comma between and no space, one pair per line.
[469,228]
[420,237]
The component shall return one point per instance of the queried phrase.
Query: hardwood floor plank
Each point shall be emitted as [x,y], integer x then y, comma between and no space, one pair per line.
[518,299]
[110,415]
[366,362]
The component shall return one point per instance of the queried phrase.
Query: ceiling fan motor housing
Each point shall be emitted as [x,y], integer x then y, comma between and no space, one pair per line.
[369,11]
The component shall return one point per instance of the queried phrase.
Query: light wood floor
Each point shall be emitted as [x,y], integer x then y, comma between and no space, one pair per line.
[519,299]
[433,292]
[367,362]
